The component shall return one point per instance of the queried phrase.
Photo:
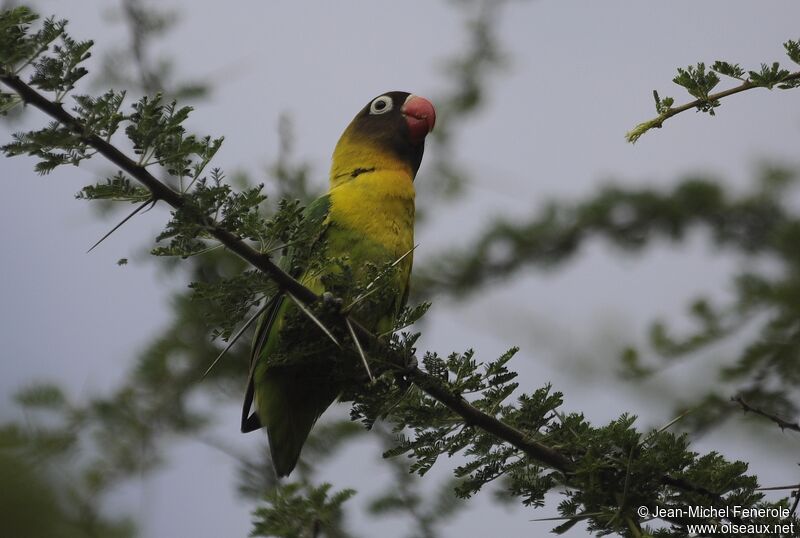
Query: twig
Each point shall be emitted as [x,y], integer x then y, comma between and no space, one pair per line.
[634,134]
[783,424]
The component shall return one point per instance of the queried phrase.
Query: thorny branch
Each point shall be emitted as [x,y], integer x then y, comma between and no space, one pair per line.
[426,382]
[159,190]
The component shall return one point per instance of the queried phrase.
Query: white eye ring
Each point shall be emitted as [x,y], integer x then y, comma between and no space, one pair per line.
[381,105]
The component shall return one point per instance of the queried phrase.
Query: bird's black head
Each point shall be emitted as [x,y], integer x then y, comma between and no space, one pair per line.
[394,122]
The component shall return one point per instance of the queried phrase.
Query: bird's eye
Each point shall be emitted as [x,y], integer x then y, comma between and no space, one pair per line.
[381,105]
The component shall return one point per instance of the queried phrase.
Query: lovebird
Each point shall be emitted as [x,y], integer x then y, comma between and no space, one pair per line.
[365,220]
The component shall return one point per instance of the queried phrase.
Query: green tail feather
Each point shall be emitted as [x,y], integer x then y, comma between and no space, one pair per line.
[290,402]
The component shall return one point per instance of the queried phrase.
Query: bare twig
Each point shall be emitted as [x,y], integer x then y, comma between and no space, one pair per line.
[782,424]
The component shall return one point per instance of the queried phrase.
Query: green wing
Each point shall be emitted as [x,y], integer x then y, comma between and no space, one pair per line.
[287,401]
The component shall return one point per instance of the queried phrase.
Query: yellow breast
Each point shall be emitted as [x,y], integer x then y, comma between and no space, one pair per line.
[379,206]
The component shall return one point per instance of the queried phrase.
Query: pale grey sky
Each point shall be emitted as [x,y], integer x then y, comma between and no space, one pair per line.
[579,76]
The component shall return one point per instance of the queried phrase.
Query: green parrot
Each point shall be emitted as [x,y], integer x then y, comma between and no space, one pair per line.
[365,220]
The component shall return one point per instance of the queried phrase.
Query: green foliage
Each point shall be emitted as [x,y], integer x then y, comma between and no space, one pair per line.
[410,315]
[699,84]
[117,189]
[101,116]
[793,50]
[57,72]
[769,76]
[55,145]
[209,204]
[60,72]
[158,135]
[663,105]
[294,511]
[616,469]
[228,301]
[728,69]
[282,229]
[437,430]
[19,47]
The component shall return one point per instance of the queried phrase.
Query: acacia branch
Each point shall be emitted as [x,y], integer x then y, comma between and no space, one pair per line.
[475,417]
[634,134]
[159,190]
[429,384]
[285,282]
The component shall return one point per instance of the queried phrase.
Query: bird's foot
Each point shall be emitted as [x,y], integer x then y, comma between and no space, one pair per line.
[332,303]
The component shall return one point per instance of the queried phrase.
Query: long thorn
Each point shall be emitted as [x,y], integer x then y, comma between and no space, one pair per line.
[668,425]
[279,247]
[373,290]
[313,318]
[360,298]
[209,249]
[360,350]
[239,334]
[409,251]
[123,221]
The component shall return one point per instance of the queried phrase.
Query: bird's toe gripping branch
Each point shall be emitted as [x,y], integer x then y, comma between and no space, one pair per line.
[331,302]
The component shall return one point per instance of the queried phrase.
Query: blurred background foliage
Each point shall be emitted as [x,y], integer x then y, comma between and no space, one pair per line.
[65,455]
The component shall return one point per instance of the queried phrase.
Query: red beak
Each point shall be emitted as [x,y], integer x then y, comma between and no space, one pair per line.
[420,117]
